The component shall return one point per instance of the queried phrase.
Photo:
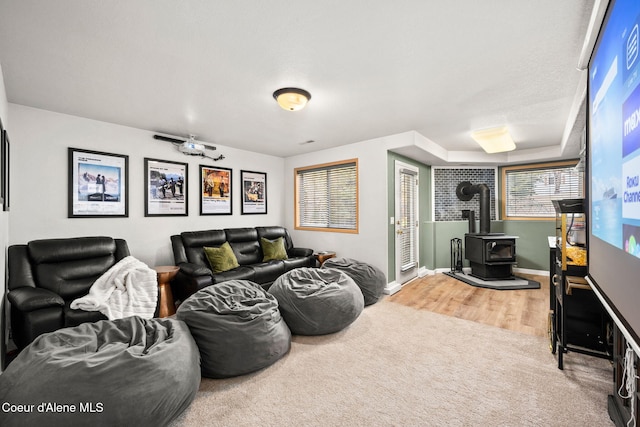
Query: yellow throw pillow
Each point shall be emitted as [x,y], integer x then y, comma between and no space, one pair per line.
[273,249]
[222,258]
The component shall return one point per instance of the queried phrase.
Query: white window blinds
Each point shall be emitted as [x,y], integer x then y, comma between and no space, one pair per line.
[328,196]
[408,220]
[529,192]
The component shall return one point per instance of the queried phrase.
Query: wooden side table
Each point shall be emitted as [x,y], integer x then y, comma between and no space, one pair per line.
[166,273]
[323,256]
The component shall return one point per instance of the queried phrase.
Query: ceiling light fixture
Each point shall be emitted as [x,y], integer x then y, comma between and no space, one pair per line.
[291,98]
[494,140]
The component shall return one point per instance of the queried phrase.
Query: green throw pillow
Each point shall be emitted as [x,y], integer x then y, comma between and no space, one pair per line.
[222,258]
[273,249]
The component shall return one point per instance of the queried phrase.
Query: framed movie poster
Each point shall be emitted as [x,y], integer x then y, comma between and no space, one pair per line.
[98,184]
[5,170]
[165,186]
[215,191]
[3,184]
[254,192]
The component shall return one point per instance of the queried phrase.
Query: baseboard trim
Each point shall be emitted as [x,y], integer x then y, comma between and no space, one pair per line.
[425,272]
[531,271]
[392,288]
[446,270]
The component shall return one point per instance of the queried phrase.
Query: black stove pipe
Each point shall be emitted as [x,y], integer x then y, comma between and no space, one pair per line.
[465,192]
[471,216]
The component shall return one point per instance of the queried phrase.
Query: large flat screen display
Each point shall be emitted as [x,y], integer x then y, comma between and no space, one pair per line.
[614,162]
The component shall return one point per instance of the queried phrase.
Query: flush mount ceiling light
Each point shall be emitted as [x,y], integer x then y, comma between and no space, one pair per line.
[291,98]
[494,140]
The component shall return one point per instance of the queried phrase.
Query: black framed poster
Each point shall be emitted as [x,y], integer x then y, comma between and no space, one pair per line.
[215,191]
[165,184]
[254,192]
[4,169]
[98,184]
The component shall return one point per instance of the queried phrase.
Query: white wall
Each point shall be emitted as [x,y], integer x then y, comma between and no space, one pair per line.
[370,244]
[39,142]
[4,230]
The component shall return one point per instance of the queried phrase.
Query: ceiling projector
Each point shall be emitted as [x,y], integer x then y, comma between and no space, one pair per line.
[192,148]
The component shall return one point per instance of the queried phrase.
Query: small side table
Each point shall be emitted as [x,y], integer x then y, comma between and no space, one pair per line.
[323,256]
[166,273]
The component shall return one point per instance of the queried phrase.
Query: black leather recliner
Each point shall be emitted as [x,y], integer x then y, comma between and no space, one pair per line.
[45,276]
[195,272]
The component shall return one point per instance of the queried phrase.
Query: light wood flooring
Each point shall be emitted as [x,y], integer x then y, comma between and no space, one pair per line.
[522,310]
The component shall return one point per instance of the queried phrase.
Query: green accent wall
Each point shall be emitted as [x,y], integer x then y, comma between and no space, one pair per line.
[532,245]
[444,232]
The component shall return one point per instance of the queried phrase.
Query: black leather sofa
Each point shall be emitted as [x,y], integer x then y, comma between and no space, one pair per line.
[45,276]
[195,272]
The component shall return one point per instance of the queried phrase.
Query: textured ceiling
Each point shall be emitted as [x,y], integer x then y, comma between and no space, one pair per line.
[209,68]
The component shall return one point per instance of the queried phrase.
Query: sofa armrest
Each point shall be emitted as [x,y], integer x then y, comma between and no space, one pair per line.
[185,283]
[300,252]
[191,269]
[19,267]
[29,299]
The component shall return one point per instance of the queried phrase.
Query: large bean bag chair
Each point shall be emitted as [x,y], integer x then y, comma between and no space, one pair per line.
[131,371]
[317,301]
[237,327]
[370,279]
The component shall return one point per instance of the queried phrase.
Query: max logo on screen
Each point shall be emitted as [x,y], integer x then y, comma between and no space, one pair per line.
[631,123]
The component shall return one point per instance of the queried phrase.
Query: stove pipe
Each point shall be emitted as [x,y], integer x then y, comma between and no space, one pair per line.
[465,192]
[471,216]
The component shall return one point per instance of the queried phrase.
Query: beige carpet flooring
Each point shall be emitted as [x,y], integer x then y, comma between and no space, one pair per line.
[397,366]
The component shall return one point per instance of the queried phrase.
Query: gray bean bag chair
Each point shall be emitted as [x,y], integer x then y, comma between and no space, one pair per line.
[317,301]
[237,326]
[129,371]
[370,279]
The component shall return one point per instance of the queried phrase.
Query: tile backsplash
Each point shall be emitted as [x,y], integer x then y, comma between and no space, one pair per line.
[447,205]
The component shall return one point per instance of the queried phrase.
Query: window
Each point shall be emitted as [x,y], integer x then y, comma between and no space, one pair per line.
[406,214]
[527,191]
[326,197]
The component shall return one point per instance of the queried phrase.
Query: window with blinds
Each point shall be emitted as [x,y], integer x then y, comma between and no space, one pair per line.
[527,191]
[408,238]
[327,197]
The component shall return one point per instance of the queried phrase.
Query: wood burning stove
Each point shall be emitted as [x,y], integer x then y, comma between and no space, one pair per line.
[491,255]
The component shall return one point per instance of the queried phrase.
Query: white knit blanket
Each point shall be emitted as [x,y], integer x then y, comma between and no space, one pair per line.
[129,288]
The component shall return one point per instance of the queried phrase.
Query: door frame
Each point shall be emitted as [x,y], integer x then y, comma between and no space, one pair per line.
[405,276]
